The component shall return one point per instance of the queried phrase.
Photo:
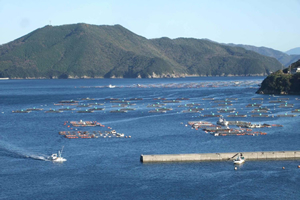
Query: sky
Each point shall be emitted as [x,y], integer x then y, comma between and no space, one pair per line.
[269,23]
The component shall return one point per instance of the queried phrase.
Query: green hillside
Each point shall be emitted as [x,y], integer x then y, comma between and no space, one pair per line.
[83,50]
[282,81]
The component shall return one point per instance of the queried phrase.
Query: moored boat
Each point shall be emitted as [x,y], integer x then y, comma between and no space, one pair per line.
[239,160]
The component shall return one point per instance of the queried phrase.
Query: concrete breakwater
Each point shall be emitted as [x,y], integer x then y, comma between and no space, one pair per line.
[262,155]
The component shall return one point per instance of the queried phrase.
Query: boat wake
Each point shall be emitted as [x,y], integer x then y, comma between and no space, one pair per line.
[9,150]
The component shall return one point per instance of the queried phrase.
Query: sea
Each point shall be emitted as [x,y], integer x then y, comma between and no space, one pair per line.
[109,167]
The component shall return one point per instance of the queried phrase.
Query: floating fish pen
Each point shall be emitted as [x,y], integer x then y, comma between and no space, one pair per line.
[283,98]
[155,105]
[136,99]
[223,110]
[84,105]
[111,99]
[183,98]
[159,98]
[286,106]
[216,129]
[211,115]
[96,108]
[85,111]
[286,115]
[262,108]
[164,108]
[253,105]
[260,99]
[123,101]
[96,104]
[197,123]
[87,135]
[68,101]
[157,111]
[34,109]
[260,115]
[197,109]
[53,111]
[208,99]
[127,109]
[84,123]
[171,101]
[232,99]
[259,111]
[87,99]
[202,126]
[296,111]
[224,105]
[66,104]
[120,105]
[194,104]
[236,115]
[221,101]
[66,109]
[241,134]
[224,122]
[191,111]
[185,105]
[21,111]
[277,101]
[226,111]
[118,111]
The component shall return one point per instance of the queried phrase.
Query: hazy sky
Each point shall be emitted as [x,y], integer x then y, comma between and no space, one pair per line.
[270,23]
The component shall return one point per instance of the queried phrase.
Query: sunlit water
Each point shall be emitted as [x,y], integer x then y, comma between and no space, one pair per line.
[110,168]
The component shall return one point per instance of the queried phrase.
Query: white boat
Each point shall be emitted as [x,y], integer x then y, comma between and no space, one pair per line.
[111,86]
[57,157]
[239,160]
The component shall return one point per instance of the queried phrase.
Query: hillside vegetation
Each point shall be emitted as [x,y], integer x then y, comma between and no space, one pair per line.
[83,50]
[282,82]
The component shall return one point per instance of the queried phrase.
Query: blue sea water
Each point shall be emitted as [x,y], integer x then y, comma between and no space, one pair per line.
[110,168]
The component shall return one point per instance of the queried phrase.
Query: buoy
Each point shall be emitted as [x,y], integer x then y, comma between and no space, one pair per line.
[283,167]
[235,168]
[298,166]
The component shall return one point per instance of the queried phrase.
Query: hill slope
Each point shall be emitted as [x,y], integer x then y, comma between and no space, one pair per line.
[282,82]
[82,50]
[283,58]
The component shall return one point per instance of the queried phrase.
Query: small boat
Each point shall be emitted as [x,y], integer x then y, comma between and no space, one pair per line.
[57,157]
[239,160]
[111,86]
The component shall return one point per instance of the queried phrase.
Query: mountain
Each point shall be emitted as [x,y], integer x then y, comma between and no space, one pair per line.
[83,50]
[294,51]
[283,58]
[285,81]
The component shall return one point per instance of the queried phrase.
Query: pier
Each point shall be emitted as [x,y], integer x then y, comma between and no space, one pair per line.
[202,157]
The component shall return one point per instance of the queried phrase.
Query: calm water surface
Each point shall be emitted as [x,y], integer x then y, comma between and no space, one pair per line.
[110,168]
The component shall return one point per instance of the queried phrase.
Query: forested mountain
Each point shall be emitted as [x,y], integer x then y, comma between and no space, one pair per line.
[83,50]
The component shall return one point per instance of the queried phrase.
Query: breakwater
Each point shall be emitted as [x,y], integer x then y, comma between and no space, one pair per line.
[200,157]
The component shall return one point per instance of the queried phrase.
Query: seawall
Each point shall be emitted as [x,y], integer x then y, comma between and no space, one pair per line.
[262,155]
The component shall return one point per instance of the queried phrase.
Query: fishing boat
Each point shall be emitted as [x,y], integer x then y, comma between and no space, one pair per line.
[57,157]
[239,160]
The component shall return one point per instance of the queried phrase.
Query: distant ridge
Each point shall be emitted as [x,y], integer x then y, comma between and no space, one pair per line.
[91,51]
[294,51]
[283,58]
